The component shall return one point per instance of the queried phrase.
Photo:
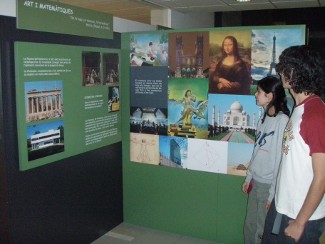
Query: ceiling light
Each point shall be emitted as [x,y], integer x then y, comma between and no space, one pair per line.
[242,1]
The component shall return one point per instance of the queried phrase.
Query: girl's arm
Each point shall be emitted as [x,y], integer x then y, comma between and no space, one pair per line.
[282,123]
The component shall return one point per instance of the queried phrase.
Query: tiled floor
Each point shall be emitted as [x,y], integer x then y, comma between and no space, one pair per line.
[132,234]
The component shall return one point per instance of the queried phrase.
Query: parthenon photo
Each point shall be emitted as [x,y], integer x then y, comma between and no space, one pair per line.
[45,104]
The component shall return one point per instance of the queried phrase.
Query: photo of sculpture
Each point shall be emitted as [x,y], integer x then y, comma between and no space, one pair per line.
[188,54]
[43,100]
[187,108]
[230,54]
[149,49]
[233,118]
[111,69]
[45,139]
[91,69]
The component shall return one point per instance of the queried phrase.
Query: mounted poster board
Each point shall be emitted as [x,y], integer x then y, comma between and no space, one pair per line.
[180,116]
[55,17]
[67,101]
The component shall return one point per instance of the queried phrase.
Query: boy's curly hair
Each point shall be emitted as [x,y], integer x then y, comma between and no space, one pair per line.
[302,66]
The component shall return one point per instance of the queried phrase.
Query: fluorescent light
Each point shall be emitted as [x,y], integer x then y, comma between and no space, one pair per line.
[241,1]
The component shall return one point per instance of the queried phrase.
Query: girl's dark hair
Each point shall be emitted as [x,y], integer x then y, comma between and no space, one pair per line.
[279,100]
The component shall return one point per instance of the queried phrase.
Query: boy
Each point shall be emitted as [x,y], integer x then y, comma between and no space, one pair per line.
[299,208]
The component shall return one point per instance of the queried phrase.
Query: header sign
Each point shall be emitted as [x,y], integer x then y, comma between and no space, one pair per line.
[48,16]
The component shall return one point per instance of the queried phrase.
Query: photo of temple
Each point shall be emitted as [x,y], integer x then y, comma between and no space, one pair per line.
[43,100]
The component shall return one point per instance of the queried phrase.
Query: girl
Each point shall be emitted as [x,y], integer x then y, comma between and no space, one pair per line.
[264,164]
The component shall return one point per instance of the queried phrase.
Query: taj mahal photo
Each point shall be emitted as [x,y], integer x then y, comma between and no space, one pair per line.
[233,118]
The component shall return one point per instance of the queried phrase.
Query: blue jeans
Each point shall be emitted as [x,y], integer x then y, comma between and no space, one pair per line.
[313,230]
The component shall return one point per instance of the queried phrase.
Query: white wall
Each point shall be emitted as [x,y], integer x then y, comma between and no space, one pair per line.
[161,17]
[8,8]
[168,18]
[178,20]
[123,25]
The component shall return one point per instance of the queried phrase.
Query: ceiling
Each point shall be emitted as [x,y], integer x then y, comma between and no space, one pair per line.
[139,10]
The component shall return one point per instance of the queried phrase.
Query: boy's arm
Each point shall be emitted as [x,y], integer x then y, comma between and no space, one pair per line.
[314,196]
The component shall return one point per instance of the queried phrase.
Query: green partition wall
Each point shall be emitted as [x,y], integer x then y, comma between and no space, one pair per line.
[200,204]
[203,205]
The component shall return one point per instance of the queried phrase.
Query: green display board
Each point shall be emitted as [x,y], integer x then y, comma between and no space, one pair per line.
[184,176]
[49,16]
[67,101]
[192,105]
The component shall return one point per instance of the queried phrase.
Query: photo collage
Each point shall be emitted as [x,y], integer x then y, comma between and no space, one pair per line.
[192,95]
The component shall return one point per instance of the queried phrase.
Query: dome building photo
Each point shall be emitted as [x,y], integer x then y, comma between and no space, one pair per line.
[236,116]
[233,118]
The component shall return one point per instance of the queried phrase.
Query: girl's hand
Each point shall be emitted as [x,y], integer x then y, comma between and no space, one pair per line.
[245,187]
[268,205]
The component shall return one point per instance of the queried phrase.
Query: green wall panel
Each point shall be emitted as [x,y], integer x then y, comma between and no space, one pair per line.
[199,204]
[204,205]
[231,209]
[172,200]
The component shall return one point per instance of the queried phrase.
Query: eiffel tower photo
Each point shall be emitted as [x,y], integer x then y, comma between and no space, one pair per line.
[272,65]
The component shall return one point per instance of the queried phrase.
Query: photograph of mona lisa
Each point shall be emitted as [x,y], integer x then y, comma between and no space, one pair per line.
[230,55]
